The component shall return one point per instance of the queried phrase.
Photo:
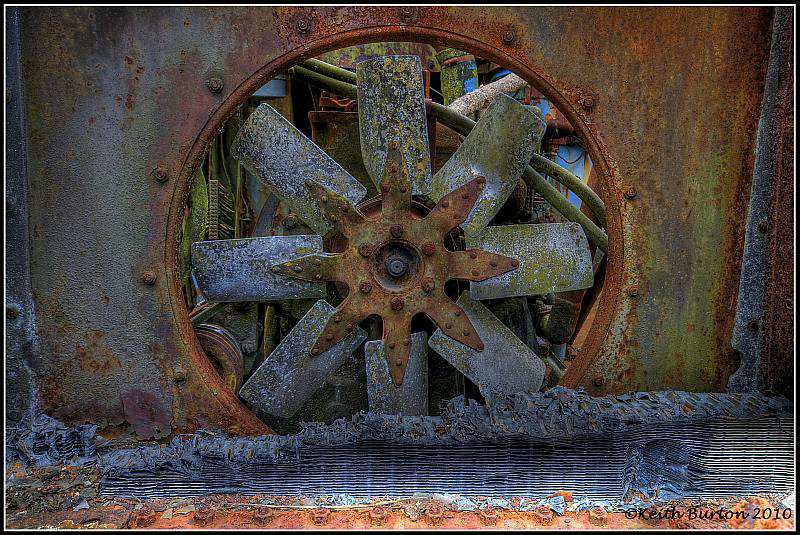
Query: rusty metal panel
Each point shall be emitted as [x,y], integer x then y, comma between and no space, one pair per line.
[119,114]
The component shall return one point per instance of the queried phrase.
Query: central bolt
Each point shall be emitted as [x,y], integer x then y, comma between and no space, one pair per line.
[396,267]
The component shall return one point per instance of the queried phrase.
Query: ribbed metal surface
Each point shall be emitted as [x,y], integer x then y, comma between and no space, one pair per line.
[722,458]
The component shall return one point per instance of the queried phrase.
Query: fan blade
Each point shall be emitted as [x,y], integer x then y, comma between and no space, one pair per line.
[241,270]
[290,374]
[498,148]
[391,107]
[408,399]
[272,149]
[505,366]
[553,257]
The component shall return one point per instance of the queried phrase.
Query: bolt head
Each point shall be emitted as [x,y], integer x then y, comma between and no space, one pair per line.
[303,25]
[762,227]
[179,375]
[396,231]
[365,249]
[215,84]
[630,192]
[161,174]
[508,37]
[394,145]
[587,103]
[149,277]
[752,326]
[365,287]
[428,285]
[481,180]
[396,304]
[633,291]
[290,222]
[428,248]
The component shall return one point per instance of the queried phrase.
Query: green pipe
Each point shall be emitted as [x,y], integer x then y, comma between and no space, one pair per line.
[573,183]
[337,80]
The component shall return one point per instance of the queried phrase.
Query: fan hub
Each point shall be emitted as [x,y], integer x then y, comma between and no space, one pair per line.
[395,264]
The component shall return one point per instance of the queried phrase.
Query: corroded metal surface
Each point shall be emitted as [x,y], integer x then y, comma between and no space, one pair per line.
[408,399]
[391,107]
[277,152]
[552,258]
[498,148]
[506,365]
[291,374]
[687,81]
[396,266]
[240,270]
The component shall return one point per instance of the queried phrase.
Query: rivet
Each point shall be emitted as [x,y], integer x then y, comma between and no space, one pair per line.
[514,263]
[479,345]
[456,216]
[428,284]
[328,337]
[398,362]
[406,15]
[179,375]
[445,204]
[348,327]
[298,269]
[473,255]
[149,277]
[465,333]
[406,342]
[392,345]
[276,269]
[752,325]
[633,291]
[630,192]
[12,312]
[324,198]
[481,180]
[458,313]
[493,263]
[337,319]
[290,222]
[403,189]
[448,325]
[303,25]
[318,277]
[475,272]
[385,188]
[309,183]
[161,174]
[215,85]
[587,103]
[317,262]
[464,195]
[315,351]
[393,145]
[762,227]
[509,38]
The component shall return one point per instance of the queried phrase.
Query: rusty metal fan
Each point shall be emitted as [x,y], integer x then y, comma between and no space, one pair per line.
[394,263]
